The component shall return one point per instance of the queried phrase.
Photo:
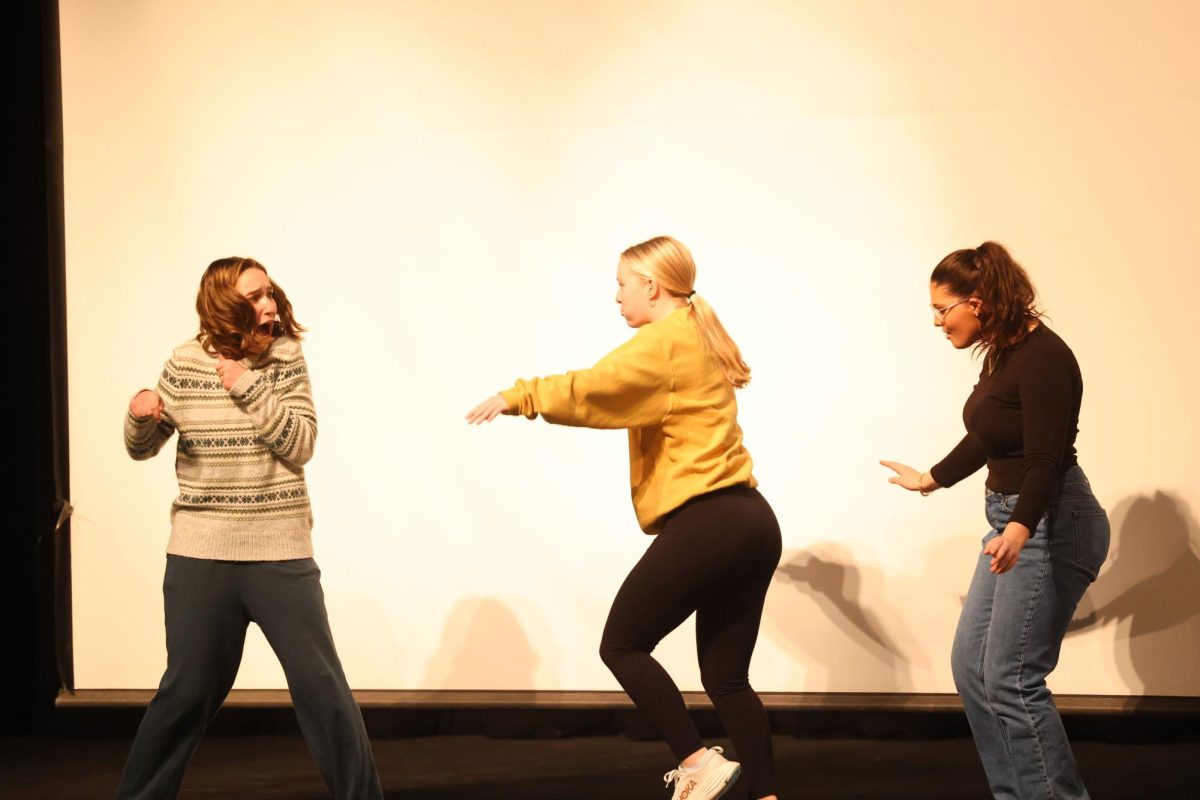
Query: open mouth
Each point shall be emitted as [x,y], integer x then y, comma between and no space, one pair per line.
[266,328]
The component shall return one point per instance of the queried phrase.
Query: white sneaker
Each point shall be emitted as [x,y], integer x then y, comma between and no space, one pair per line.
[708,780]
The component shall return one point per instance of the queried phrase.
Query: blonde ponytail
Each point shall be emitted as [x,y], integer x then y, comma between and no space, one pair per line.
[670,263]
[719,343]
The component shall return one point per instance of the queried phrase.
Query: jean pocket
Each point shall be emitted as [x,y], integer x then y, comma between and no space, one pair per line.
[999,508]
[1091,539]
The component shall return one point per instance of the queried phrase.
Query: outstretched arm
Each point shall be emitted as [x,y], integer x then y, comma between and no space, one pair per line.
[628,388]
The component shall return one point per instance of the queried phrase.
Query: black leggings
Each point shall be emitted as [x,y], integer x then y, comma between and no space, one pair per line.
[715,556]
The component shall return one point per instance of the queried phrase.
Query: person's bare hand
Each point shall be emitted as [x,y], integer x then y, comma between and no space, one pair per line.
[905,476]
[146,403]
[1005,549]
[487,411]
[229,371]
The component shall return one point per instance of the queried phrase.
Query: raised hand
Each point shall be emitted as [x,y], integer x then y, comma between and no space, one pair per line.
[146,403]
[229,371]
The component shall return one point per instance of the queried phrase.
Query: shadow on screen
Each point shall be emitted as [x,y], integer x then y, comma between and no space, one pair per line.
[874,649]
[483,646]
[1150,589]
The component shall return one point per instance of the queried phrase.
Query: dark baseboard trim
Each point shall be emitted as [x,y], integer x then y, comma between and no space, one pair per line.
[775,701]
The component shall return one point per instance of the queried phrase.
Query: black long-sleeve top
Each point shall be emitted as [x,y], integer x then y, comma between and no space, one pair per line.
[1022,421]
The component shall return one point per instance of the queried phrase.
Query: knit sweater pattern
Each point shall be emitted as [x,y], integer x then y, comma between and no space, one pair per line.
[240,455]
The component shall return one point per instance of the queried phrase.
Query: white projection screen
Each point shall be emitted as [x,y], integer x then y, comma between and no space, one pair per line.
[443,189]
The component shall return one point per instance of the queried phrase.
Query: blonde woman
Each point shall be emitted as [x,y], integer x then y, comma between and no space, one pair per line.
[716,540]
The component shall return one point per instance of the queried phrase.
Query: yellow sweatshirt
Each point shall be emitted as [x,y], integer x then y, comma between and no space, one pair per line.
[679,407]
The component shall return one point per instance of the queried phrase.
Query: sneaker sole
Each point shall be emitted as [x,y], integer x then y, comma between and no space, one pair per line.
[730,781]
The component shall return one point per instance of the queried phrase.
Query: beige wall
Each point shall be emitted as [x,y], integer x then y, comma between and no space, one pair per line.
[443,188]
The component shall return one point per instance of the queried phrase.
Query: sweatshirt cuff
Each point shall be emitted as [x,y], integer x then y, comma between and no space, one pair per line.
[513,398]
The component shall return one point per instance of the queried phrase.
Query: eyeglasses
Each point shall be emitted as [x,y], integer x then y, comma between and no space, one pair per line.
[939,314]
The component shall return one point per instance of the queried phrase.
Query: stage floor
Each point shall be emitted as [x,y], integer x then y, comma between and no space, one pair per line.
[583,768]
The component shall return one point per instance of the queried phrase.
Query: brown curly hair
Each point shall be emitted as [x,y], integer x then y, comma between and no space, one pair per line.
[1008,299]
[227,319]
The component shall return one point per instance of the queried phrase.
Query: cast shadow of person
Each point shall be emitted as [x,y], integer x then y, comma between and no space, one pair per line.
[1150,590]
[484,647]
[827,575]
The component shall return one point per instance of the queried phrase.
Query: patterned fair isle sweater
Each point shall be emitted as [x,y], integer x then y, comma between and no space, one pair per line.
[240,456]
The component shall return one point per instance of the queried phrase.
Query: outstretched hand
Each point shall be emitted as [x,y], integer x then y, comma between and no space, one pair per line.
[905,475]
[487,411]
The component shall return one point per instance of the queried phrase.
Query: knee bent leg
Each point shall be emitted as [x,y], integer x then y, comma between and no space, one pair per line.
[719,683]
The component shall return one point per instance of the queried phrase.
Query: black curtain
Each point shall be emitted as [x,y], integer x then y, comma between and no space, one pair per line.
[34,537]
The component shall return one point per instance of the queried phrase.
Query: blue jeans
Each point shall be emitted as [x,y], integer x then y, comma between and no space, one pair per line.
[1008,640]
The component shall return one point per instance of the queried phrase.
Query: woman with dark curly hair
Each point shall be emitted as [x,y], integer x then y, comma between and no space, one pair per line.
[1048,534]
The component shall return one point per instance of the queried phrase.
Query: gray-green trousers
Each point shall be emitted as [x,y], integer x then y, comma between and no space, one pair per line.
[209,605]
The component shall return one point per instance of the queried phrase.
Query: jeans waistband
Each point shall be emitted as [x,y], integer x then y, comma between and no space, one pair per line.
[1074,475]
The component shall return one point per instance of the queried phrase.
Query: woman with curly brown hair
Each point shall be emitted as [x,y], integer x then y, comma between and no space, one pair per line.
[1048,534]
[240,549]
